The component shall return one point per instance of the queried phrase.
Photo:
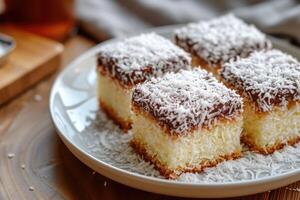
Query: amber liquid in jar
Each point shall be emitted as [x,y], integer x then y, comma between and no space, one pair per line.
[50,18]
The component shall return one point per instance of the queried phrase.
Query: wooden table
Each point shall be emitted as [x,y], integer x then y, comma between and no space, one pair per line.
[35,164]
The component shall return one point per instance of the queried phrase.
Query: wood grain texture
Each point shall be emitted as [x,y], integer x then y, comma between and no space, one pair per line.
[33,58]
[27,131]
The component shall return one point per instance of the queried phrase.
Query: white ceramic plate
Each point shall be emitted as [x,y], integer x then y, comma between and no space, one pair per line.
[7,45]
[102,146]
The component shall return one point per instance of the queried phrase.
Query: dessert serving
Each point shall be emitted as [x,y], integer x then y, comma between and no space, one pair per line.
[186,121]
[216,41]
[269,81]
[122,65]
[183,121]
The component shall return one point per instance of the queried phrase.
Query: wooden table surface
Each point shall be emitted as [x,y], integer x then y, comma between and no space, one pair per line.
[35,164]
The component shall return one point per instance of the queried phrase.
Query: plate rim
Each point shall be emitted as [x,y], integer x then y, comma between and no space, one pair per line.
[10,42]
[153,180]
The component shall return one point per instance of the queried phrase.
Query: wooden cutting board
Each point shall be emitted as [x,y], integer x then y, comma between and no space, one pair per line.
[33,59]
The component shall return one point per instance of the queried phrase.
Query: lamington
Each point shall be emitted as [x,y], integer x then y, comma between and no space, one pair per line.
[186,121]
[216,41]
[269,82]
[124,64]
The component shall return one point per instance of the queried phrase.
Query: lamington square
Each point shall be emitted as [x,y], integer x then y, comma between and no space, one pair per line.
[186,121]
[122,65]
[216,41]
[269,81]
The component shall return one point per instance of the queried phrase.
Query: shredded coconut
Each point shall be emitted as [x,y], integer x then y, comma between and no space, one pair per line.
[141,57]
[293,189]
[104,140]
[111,145]
[268,78]
[218,40]
[186,100]
[38,98]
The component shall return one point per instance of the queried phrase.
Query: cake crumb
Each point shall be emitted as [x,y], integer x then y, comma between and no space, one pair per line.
[105,184]
[38,98]
[31,188]
[93,173]
[10,155]
[23,166]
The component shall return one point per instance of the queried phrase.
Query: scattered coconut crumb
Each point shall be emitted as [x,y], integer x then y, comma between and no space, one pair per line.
[23,166]
[93,173]
[10,155]
[112,146]
[105,184]
[31,188]
[38,98]
[293,189]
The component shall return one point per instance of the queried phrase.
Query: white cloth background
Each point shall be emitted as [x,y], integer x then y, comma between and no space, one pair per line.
[112,18]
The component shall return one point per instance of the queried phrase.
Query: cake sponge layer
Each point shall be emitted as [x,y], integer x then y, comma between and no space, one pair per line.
[115,100]
[267,132]
[173,155]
